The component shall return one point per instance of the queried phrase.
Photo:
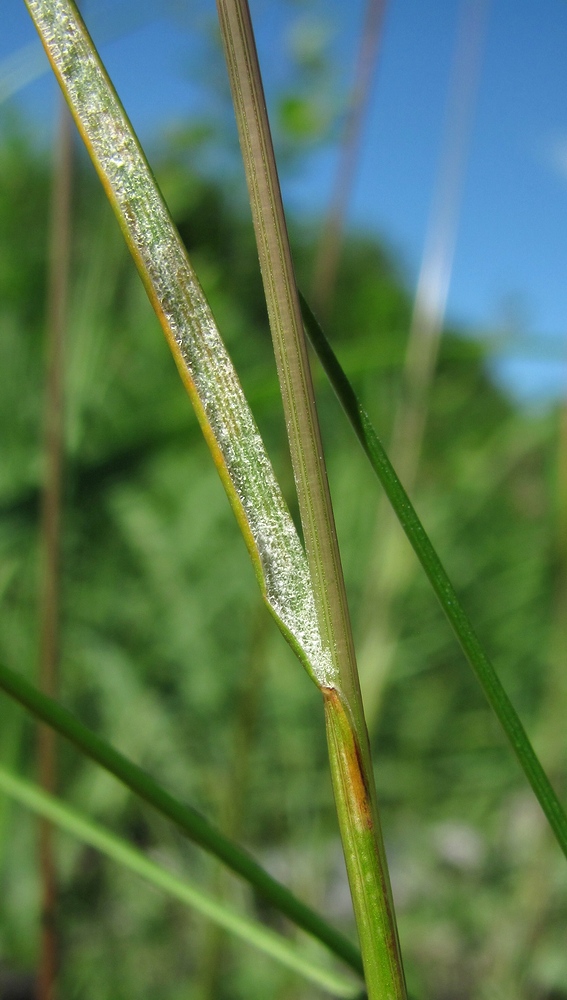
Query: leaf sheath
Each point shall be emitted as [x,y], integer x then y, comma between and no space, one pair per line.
[364,852]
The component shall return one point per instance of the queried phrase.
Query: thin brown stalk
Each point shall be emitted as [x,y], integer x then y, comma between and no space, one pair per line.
[57,295]
[392,561]
[437,262]
[215,954]
[329,250]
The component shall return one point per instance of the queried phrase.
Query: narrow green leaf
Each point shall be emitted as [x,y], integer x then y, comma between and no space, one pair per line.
[437,575]
[205,367]
[250,931]
[189,821]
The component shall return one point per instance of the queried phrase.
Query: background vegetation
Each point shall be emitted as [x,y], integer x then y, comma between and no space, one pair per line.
[168,653]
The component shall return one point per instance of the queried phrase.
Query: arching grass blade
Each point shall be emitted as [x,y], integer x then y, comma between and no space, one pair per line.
[188,819]
[119,850]
[437,575]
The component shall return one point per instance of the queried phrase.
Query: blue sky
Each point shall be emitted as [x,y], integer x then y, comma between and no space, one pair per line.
[510,264]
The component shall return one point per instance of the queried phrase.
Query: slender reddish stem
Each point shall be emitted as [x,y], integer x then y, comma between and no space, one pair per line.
[51,533]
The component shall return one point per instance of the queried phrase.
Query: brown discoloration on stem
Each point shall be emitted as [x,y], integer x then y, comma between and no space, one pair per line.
[349,752]
[364,851]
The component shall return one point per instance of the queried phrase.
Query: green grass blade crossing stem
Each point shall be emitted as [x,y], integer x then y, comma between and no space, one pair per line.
[437,575]
[250,931]
[189,820]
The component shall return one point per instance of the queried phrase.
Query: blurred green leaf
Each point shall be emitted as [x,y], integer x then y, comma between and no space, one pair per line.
[180,888]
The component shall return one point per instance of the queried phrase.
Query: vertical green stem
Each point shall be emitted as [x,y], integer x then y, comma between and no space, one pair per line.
[346,727]
[365,857]
[289,341]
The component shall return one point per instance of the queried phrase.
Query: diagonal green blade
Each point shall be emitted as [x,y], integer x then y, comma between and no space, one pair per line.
[437,575]
[189,821]
[84,829]
[204,365]
[185,316]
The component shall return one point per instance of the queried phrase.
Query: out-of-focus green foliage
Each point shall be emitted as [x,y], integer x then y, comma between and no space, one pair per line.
[168,653]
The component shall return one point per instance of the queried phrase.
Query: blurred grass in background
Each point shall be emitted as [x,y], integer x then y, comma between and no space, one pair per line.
[168,653]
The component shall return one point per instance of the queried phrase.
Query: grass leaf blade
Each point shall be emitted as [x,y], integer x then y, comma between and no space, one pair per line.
[253,933]
[437,575]
[188,819]
[201,357]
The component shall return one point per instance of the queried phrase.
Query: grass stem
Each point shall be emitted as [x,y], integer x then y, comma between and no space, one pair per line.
[359,825]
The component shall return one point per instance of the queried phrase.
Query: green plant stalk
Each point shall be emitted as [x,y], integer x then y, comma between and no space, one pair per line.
[190,822]
[287,332]
[84,829]
[365,857]
[363,847]
[347,734]
[442,586]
